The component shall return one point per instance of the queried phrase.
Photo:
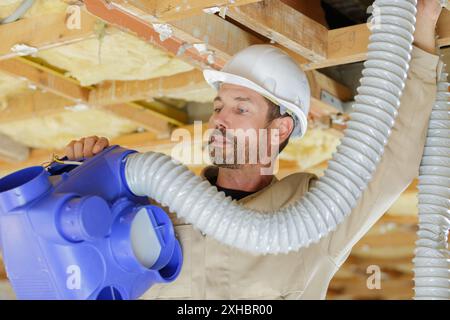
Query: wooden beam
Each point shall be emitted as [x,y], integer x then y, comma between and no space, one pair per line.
[163,111]
[345,45]
[61,86]
[311,8]
[33,104]
[170,10]
[319,84]
[146,118]
[109,92]
[283,24]
[43,32]
[222,38]
[349,44]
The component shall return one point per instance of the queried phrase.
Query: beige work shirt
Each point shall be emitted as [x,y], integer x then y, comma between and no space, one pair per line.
[212,270]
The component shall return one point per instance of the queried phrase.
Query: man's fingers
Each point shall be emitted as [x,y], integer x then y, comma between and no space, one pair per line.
[89,146]
[100,145]
[69,150]
[85,147]
[78,149]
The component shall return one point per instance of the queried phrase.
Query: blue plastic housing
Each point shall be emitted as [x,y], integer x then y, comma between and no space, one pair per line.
[65,232]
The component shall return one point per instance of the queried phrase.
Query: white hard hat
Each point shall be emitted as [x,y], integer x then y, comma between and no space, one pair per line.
[273,74]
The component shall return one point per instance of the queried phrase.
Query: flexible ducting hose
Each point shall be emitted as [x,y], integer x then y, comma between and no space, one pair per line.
[432,263]
[336,194]
[19,12]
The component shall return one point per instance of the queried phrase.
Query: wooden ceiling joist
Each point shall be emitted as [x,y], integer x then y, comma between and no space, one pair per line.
[43,32]
[51,82]
[34,104]
[147,119]
[349,44]
[345,45]
[170,10]
[283,24]
[123,91]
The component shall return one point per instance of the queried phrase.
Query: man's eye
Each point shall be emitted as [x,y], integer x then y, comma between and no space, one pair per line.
[217,109]
[242,110]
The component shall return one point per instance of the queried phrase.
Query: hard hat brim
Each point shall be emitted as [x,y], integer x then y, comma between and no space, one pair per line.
[214,78]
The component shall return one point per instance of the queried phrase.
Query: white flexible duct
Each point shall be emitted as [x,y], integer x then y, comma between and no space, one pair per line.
[323,207]
[432,263]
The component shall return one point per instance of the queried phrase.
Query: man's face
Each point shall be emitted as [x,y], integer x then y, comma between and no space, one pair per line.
[239,115]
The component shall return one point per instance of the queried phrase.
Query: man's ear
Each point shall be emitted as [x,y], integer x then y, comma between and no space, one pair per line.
[285,126]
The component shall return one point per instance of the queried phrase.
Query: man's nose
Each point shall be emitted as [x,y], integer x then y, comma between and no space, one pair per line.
[221,120]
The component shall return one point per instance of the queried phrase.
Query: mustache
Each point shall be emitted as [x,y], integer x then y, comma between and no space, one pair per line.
[224,134]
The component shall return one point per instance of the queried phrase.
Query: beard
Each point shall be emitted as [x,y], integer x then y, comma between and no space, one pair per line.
[234,151]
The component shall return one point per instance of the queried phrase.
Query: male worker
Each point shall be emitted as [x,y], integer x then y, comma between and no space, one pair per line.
[250,90]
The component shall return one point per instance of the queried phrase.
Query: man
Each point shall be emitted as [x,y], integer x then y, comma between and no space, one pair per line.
[249,96]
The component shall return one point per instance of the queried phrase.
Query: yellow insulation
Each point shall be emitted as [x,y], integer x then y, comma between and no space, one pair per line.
[119,56]
[314,148]
[55,131]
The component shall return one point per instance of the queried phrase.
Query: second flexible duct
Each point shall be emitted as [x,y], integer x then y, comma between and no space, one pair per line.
[432,261]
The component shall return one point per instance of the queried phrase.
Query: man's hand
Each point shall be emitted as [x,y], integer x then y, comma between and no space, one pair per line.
[428,12]
[85,147]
